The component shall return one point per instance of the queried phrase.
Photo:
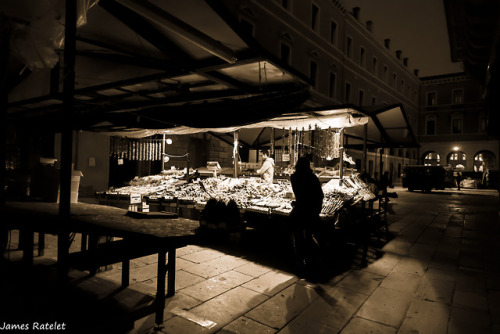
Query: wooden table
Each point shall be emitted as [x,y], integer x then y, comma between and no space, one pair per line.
[140,237]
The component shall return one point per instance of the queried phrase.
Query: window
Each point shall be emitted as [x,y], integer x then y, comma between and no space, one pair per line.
[333,33]
[457,96]
[333,79]
[285,53]
[456,158]
[374,100]
[374,66]
[385,73]
[361,97]
[483,123]
[456,126]
[456,123]
[349,47]
[313,73]
[430,125]
[285,4]
[362,57]
[395,80]
[347,92]
[403,85]
[484,160]
[431,159]
[314,17]
[431,98]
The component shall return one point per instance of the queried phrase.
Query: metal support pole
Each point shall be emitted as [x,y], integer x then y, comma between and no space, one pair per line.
[381,168]
[236,153]
[365,134]
[272,143]
[4,63]
[67,118]
[163,153]
[341,157]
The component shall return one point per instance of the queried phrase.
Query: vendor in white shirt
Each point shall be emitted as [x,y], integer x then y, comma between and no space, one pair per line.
[267,169]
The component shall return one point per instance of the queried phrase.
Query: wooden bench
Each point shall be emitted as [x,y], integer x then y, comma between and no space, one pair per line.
[140,237]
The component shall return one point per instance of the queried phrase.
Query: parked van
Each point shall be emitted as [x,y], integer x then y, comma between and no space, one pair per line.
[426,178]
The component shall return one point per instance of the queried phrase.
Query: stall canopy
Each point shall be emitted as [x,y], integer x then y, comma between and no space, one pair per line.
[143,65]
[167,67]
[342,117]
[388,126]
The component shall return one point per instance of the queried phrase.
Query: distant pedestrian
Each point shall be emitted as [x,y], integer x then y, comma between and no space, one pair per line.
[486,179]
[459,179]
[384,183]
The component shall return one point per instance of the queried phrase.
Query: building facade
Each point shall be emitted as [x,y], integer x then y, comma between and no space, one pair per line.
[327,44]
[453,125]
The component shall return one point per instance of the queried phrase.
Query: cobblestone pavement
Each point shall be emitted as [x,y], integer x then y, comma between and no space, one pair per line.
[437,271]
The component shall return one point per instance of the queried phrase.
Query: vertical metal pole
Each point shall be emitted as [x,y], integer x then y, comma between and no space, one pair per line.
[163,154]
[272,143]
[4,63]
[236,153]
[381,169]
[365,139]
[67,137]
[341,157]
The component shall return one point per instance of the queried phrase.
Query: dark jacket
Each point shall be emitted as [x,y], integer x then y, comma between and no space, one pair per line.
[308,193]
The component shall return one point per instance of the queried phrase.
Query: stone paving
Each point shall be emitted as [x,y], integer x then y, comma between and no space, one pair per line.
[438,272]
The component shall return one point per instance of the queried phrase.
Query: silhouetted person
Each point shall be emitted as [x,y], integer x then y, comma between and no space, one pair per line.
[486,179]
[459,179]
[306,208]
[384,183]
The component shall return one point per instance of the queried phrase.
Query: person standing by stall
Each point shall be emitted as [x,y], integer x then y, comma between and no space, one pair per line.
[306,209]
[267,169]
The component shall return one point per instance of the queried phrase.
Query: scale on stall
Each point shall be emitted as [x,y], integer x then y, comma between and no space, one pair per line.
[214,167]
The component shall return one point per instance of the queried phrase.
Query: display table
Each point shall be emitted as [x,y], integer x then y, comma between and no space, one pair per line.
[139,237]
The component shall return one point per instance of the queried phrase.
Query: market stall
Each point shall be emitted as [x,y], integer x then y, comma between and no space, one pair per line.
[319,134]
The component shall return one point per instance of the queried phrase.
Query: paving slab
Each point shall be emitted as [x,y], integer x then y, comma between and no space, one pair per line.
[201,256]
[229,306]
[384,265]
[244,325]
[284,306]
[177,301]
[216,266]
[183,279]
[386,306]
[399,245]
[217,285]
[271,282]
[411,265]
[426,317]
[465,320]
[436,290]
[361,281]
[359,325]
[253,269]
[471,300]
[402,281]
[422,251]
[329,313]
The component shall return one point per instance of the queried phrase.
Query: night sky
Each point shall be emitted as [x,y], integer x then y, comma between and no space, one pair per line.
[417,27]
